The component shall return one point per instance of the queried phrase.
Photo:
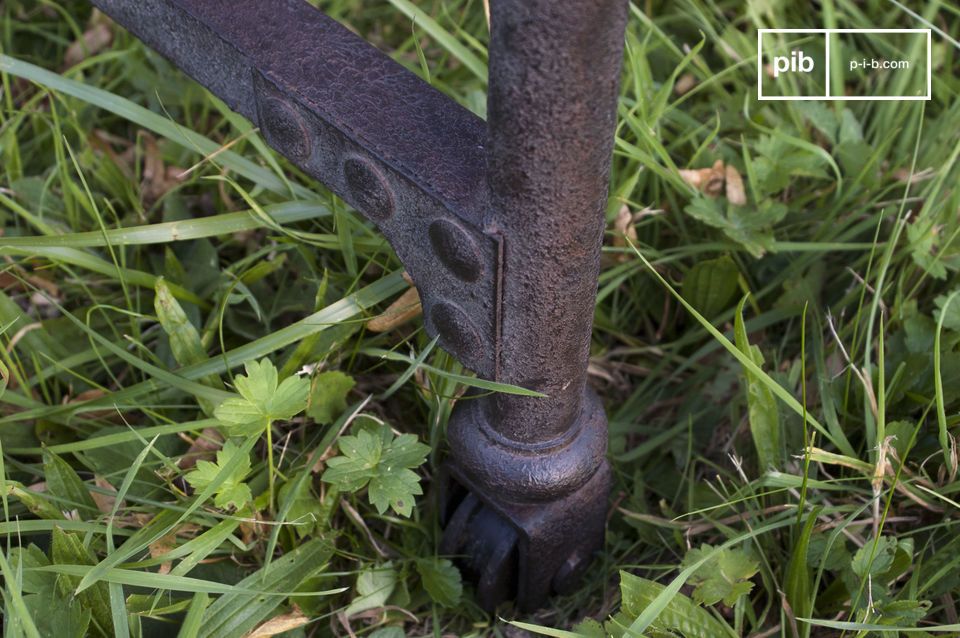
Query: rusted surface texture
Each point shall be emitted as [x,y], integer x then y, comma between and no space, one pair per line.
[398,150]
[498,223]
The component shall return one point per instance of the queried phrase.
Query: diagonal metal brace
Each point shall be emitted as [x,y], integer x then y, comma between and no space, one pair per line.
[399,151]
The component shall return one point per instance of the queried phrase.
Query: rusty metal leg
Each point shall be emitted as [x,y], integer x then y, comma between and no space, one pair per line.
[502,237]
[539,464]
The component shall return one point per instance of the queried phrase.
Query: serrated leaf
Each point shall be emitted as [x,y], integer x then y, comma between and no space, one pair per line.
[260,382]
[724,577]
[233,492]
[374,587]
[873,562]
[441,579]
[749,226]
[902,613]
[289,399]
[328,396]
[382,462]
[394,488]
[303,509]
[679,614]
[262,399]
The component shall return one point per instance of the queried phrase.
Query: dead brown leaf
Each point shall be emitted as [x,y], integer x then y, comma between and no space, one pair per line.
[105,501]
[734,186]
[686,82]
[95,39]
[403,309]
[719,179]
[623,230]
[162,546]
[157,177]
[280,624]
[202,448]
[709,181]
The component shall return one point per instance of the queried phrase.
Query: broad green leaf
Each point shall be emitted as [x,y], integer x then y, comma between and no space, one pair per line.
[383,462]
[761,404]
[68,550]
[57,615]
[234,614]
[723,577]
[23,560]
[184,338]
[262,399]
[374,587]
[680,614]
[328,396]
[299,506]
[711,284]
[902,613]
[396,488]
[232,492]
[63,483]
[874,558]
[951,320]
[442,580]
[750,226]
[782,158]
[850,129]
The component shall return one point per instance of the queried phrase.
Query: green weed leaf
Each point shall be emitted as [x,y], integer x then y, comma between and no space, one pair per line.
[374,587]
[68,550]
[724,577]
[233,492]
[711,284]
[442,581]
[63,483]
[262,400]
[328,396]
[749,226]
[761,404]
[680,614]
[383,462]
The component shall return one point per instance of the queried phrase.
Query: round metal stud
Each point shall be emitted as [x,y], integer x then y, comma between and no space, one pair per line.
[456,249]
[458,335]
[369,188]
[285,129]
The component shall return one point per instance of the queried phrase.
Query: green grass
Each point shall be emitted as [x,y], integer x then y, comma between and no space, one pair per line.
[781,377]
